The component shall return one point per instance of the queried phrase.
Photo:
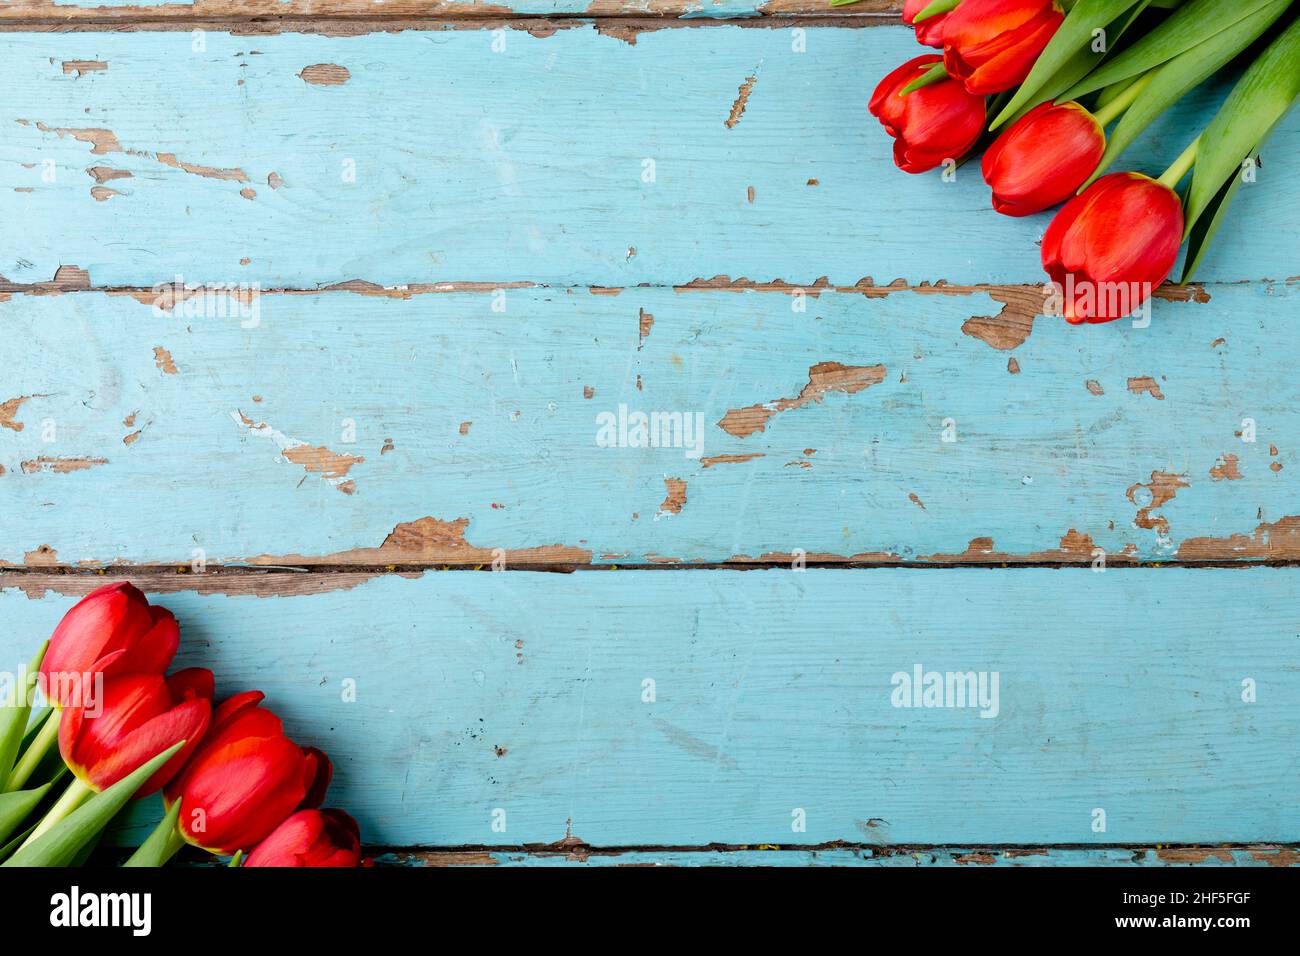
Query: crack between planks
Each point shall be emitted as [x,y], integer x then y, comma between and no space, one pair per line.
[820,286]
[261,571]
[541,25]
[1274,855]
[572,847]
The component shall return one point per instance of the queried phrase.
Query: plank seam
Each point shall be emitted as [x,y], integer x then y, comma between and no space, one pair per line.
[540,25]
[577,848]
[865,287]
[256,571]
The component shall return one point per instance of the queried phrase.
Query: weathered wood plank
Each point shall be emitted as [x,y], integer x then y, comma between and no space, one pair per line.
[772,694]
[79,12]
[398,168]
[1046,856]
[373,430]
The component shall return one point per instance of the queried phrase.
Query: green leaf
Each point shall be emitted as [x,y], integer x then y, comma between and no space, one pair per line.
[1264,94]
[7,850]
[1074,35]
[934,9]
[1186,28]
[1207,225]
[935,74]
[1078,66]
[1169,83]
[38,747]
[162,843]
[15,807]
[59,845]
[13,716]
[91,845]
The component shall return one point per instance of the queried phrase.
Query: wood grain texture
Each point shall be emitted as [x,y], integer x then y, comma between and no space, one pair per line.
[80,12]
[772,693]
[417,170]
[374,430]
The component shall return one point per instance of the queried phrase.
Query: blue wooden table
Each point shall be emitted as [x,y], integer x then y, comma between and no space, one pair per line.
[330,325]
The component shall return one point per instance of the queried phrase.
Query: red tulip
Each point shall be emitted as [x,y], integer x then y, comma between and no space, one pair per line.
[315,838]
[1108,249]
[140,716]
[245,779]
[1043,158]
[929,31]
[112,630]
[929,125]
[991,45]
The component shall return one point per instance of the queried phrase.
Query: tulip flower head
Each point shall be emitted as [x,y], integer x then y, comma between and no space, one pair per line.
[245,779]
[139,717]
[991,45]
[1108,248]
[1043,158]
[929,32]
[112,630]
[932,124]
[311,838]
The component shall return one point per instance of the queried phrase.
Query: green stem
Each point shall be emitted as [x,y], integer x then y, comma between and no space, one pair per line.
[76,794]
[1175,173]
[1105,114]
[236,859]
[41,745]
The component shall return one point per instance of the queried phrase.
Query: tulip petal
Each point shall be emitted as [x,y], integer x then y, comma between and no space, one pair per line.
[1002,60]
[241,792]
[231,706]
[187,722]
[931,124]
[1042,158]
[191,682]
[344,820]
[1112,245]
[153,653]
[311,838]
[317,773]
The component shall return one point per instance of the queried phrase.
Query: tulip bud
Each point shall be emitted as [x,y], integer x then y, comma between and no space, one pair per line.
[112,630]
[245,779]
[1108,248]
[311,838]
[931,124]
[140,716]
[1043,158]
[929,32]
[991,45]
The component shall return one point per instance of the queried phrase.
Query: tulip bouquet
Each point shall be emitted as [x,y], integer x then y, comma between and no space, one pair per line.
[232,782]
[1036,84]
